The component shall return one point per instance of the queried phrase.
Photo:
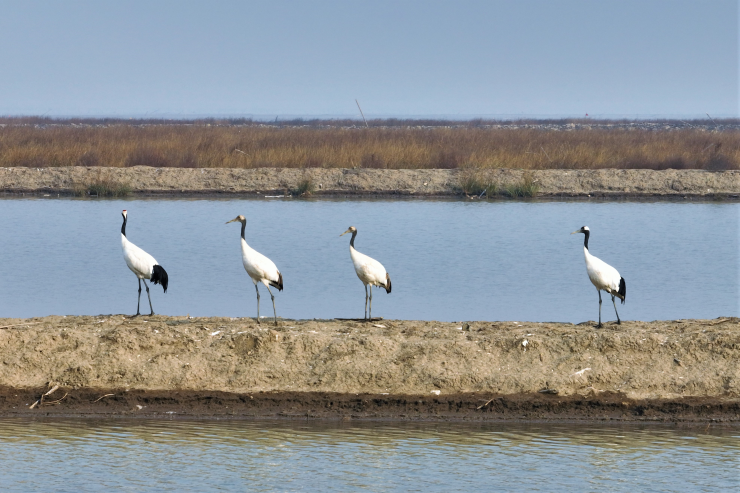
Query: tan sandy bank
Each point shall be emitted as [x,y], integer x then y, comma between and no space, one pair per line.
[436,182]
[684,369]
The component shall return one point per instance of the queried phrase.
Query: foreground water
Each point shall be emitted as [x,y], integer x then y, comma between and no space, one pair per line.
[90,455]
[448,260]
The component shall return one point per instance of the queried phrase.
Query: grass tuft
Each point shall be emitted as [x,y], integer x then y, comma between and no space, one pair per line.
[472,182]
[101,186]
[526,188]
[305,187]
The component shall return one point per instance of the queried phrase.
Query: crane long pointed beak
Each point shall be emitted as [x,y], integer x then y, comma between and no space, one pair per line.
[233,220]
[574,232]
[345,233]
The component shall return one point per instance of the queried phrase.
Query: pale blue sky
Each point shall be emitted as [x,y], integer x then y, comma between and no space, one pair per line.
[399,58]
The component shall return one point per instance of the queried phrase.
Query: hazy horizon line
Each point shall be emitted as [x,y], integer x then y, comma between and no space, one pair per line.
[266,117]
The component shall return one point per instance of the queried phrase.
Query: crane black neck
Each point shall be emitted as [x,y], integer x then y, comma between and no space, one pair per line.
[585,239]
[352,241]
[244,225]
[123,226]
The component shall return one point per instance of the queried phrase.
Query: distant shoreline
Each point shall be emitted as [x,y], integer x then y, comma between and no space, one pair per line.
[680,371]
[337,182]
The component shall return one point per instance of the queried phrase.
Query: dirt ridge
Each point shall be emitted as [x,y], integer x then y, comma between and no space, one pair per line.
[143,180]
[642,370]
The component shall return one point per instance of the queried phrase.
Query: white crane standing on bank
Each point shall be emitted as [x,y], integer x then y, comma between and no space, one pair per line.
[142,265]
[260,269]
[603,276]
[370,271]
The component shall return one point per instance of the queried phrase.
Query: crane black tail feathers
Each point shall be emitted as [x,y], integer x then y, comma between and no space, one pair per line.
[159,276]
[622,289]
[387,283]
[279,283]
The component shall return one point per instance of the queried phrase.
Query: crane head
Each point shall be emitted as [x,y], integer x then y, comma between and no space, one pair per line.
[239,218]
[351,229]
[124,213]
[582,230]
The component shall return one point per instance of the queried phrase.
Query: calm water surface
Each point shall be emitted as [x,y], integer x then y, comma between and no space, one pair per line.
[449,260]
[146,455]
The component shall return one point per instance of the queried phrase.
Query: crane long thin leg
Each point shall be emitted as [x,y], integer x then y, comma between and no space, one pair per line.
[138,302]
[619,322]
[258,303]
[370,313]
[274,312]
[366,301]
[150,298]
[599,291]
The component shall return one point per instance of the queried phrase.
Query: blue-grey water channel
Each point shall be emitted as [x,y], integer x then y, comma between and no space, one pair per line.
[448,260]
[161,455]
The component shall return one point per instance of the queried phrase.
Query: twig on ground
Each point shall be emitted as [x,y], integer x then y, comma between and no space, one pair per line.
[484,405]
[53,389]
[41,399]
[101,397]
[53,403]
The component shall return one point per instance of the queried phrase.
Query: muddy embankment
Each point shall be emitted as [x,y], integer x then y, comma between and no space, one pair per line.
[142,180]
[683,370]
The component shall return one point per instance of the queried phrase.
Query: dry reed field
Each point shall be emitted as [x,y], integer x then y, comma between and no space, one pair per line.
[391,144]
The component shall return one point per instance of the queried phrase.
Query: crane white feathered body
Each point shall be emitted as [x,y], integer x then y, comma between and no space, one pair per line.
[602,275]
[141,263]
[259,268]
[370,271]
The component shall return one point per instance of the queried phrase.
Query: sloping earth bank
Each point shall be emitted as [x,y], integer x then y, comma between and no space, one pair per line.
[113,365]
[434,182]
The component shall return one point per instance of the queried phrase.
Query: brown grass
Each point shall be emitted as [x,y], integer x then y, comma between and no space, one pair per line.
[390,146]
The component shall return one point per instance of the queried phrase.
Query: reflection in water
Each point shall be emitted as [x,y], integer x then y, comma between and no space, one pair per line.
[449,260]
[288,456]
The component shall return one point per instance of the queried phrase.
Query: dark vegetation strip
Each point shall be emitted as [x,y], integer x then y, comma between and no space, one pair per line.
[387,144]
[474,406]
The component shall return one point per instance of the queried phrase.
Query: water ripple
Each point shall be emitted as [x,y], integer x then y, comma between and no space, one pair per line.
[88,455]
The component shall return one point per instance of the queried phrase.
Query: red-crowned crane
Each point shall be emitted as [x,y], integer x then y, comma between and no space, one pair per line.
[370,271]
[142,265]
[603,276]
[260,269]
